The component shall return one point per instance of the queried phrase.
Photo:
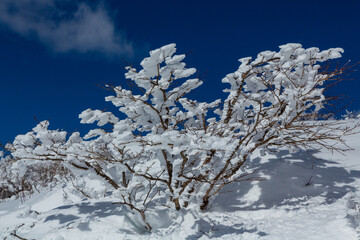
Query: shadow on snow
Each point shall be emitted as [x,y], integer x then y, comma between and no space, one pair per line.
[290,180]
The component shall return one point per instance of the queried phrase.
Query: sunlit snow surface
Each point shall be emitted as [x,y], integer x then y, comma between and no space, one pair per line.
[302,196]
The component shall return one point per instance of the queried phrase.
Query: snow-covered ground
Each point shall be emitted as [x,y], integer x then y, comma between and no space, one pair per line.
[306,195]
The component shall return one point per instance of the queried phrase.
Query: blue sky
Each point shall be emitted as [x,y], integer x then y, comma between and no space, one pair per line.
[54,54]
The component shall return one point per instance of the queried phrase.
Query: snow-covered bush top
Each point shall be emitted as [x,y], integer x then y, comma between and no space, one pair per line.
[168,150]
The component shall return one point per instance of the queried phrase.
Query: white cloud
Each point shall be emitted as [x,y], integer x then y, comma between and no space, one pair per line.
[82,29]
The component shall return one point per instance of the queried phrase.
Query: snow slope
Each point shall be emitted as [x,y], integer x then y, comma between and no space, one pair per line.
[306,195]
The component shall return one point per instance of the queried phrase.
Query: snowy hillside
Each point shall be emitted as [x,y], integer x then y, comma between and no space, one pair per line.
[304,195]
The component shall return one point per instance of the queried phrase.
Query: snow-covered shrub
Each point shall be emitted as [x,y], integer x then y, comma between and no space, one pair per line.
[173,151]
[20,181]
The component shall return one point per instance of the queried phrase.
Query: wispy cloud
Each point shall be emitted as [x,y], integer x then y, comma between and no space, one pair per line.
[65,27]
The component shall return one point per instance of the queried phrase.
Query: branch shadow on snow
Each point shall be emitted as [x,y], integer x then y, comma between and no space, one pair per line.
[217,230]
[82,214]
[291,179]
[63,218]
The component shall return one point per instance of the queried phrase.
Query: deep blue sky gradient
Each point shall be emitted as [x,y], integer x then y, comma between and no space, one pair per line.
[36,82]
